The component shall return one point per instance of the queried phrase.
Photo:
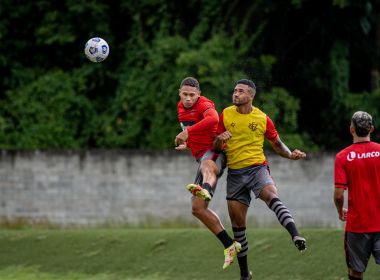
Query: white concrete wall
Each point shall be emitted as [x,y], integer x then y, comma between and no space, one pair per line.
[145,188]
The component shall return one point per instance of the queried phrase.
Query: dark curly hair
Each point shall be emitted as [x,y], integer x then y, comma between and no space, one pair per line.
[362,122]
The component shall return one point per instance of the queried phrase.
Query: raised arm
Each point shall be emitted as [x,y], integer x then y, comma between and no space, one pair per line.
[210,119]
[280,148]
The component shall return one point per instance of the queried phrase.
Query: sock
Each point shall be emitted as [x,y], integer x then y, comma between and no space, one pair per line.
[208,187]
[225,238]
[283,216]
[243,264]
[239,235]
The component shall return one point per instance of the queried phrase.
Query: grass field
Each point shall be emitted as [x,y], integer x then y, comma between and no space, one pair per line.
[160,254]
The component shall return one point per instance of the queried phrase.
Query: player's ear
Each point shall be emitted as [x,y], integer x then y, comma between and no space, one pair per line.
[252,95]
[352,129]
[372,129]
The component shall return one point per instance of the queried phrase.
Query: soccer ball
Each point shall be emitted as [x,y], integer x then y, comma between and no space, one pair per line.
[96,49]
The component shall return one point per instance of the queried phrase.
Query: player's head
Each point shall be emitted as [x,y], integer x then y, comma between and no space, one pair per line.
[361,123]
[189,91]
[244,92]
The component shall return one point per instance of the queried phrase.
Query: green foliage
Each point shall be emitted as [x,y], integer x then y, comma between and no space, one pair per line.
[214,63]
[144,112]
[368,102]
[283,109]
[129,101]
[336,114]
[341,3]
[47,113]
[339,71]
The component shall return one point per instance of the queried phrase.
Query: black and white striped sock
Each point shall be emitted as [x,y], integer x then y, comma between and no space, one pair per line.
[283,216]
[239,236]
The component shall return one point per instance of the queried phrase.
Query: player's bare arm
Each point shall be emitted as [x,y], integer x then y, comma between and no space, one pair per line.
[280,148]
[220,140]
[181,138]
[339,202]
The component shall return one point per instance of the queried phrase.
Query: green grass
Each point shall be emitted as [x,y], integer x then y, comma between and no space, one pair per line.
[161,254]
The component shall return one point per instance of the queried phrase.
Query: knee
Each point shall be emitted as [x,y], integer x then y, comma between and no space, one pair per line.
[208,167]
[267,195]
[207,172]
[239,225]
[197,210]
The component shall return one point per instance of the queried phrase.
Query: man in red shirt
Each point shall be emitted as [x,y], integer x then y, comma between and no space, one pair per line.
[357,170]
[199,122]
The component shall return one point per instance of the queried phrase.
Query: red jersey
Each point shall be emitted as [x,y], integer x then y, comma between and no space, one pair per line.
[201,122]
[357,169]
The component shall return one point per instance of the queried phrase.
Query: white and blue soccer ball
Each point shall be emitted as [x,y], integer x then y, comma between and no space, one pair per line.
[96,49]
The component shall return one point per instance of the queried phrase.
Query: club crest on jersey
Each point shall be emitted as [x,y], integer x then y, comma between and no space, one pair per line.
[252,126]
[352,155]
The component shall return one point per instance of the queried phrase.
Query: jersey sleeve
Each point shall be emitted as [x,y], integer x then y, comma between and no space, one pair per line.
[340,176]
[221,127]
[179,110]
[209,122]
[271,132]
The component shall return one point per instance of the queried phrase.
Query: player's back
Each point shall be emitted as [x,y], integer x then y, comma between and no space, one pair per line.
[362,165]
[363,161]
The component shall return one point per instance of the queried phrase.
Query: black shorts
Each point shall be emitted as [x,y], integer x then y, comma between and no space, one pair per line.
[241,182]
[218,158]
[359,247]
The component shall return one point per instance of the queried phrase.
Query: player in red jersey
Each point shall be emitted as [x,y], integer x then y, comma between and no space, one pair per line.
[357,170]
[199,122]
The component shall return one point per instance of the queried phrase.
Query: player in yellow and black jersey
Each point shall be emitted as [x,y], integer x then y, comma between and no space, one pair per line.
[242,131]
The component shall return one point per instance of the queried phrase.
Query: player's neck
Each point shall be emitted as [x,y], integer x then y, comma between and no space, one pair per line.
[245,109]
[358,139]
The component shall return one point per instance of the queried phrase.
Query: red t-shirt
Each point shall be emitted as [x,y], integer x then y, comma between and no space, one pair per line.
[201,122]
[357,169]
